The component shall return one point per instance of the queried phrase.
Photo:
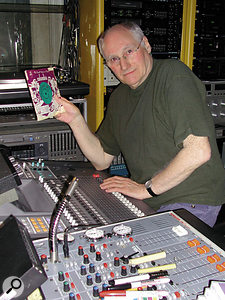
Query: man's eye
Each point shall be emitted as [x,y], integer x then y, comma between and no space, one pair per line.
[114,59]
[129,51]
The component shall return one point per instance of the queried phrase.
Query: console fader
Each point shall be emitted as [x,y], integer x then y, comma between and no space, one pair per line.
[115,252]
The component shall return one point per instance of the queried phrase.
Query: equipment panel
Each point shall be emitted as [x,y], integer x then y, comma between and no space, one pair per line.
[209,50]
[162,246]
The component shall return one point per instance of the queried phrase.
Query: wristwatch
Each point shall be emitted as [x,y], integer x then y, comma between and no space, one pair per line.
[148,185]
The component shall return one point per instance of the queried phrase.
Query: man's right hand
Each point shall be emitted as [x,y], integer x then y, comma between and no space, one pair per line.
[71,112]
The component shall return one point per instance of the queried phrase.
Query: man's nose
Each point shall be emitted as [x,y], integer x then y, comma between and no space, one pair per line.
[124,63]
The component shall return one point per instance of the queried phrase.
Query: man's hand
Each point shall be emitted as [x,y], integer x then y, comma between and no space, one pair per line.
[71,114]
[125,186]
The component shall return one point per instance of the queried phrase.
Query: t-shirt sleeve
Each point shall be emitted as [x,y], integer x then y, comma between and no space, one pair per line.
[188,110]
[106,135]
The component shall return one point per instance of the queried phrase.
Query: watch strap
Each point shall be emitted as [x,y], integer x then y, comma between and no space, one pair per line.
[151,192]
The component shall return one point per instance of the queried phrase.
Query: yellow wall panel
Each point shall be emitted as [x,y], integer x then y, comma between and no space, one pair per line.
[188,32]
[91,65]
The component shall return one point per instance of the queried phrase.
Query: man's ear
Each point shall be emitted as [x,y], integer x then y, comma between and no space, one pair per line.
[147,45]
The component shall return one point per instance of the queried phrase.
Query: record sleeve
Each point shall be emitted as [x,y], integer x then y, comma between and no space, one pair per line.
[43,86]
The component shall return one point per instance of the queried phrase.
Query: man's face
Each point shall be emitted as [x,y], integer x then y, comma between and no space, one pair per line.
[130,69]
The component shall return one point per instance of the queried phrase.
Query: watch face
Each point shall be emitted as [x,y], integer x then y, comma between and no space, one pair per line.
[148,184]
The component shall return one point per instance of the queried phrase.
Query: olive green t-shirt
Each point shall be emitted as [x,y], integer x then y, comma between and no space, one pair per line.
[148,125]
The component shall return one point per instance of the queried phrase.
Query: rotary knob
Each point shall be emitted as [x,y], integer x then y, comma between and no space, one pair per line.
[43,258]
[91,268]
[66,286]
[105,287]
[123,270]
[83,270]
[116,261]
[86,259]
[72,296]
[95,291]
[98,278]
[61,276]
[98,256]
[133,269]
[89,280]
[80,250]
[92,248]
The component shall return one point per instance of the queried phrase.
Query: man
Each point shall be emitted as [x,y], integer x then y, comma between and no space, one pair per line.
[158,119]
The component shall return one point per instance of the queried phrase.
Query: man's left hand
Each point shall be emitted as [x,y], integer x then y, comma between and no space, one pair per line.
[125,186]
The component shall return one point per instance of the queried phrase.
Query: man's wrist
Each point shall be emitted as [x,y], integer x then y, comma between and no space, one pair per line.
[148,186]
[76,121]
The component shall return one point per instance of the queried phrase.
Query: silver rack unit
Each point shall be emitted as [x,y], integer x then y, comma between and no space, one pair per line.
[49,139]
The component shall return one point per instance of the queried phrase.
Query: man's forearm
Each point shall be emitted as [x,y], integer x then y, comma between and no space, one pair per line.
[90,144]
[195,153]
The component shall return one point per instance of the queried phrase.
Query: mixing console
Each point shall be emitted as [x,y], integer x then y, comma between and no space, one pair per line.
[102,240]
[126,252]
[43,185]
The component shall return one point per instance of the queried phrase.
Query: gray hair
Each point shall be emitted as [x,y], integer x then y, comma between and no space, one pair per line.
[132,27]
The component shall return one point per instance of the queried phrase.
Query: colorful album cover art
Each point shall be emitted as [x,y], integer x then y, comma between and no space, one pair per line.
[43,86]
